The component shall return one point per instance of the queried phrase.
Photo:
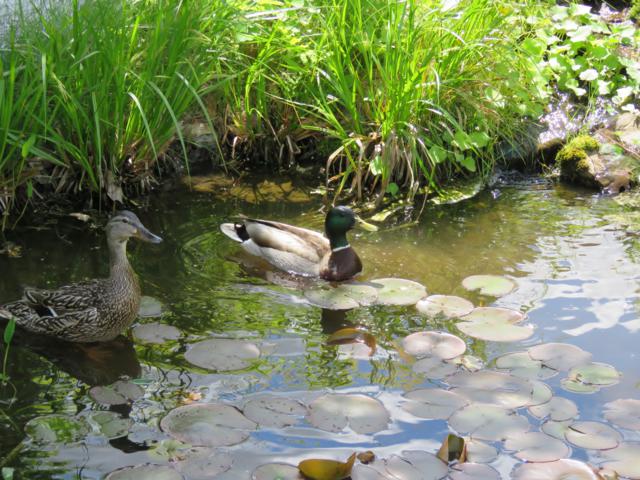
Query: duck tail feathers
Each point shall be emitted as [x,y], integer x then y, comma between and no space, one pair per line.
[235,231]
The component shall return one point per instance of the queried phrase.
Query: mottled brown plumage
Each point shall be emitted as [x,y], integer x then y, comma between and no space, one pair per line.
[92,311]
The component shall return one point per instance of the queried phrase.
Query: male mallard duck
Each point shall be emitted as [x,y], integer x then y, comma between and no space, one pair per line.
[92,311]
[302,251]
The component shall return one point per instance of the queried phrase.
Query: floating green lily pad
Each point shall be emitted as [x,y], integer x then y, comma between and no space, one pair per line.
[446,305]
[473,471]
[274,411]
[119,393]
[593,435]
[625,413]
[559,356]
[276,471]
[434,403]
[56,428]
[398,291]
[222,354]
[364,472]
[433,344]
[149,307]
[434,368]
[203,463]
[574,386]
[155,333]
[624,459]
[595,373]
[333,412]
[110,424]
[146,471]
[416,464]
[564,469]
[488,422]
[522,365]
[557,409]
[537,447]
[344,296]
[207,425]
[495,324]
[492,285]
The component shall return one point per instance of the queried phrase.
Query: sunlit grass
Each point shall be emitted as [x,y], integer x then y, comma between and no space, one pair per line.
[398,96]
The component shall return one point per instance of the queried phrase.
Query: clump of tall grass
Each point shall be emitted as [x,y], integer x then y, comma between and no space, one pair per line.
[97,91]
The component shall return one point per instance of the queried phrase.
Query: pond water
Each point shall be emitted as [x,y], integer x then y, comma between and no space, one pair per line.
[575,267]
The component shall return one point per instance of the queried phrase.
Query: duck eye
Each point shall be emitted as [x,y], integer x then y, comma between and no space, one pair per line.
[125,220]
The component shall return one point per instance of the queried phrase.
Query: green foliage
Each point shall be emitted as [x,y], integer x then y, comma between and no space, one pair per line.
[97,91]
[578,52]
[9,331]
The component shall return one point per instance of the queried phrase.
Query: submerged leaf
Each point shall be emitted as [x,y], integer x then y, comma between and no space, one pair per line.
[453,449]
[155,333]
[320,469]
[56,428]
[149,307]
[145,472]
[353,335]
[625,413]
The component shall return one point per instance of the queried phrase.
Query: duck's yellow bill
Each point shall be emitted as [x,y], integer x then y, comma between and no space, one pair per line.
[365,226]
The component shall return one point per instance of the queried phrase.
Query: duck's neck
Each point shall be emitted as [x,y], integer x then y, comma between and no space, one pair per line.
[338,241]
[118,260]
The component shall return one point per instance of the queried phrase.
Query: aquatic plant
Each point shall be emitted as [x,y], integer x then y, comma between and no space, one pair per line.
[9,331]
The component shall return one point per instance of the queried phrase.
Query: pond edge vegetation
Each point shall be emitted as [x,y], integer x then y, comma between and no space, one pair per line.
[389,99]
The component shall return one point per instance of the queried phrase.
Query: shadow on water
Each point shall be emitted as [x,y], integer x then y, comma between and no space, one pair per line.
[575,266]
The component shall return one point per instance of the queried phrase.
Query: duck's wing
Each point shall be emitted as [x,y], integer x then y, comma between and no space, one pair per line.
[299,241]
[66,299]
[44,320]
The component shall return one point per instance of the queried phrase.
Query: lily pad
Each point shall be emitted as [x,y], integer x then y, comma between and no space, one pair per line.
[537,447]
[398,291]
[495,324]
[522,365]
[119,393]
[556,429]
[497,388]
[492,285]
[434,368]
[207,425]
[344,296]
[446,305]
[362,472]
[473,471]
[155,333]
[488,422]
[110,424]
[146,471]
[433,344]
[559,356]
[203,463]
[595,373]
[350,335]
[433,403]
[149,307]
[322,469]
[274,411]
[416,465]
[624,459]
[564,469]
[625,413]
[56,428]
[223,354]
[333,412]
[480,452]
[593,435]
[276,471]
[574,386]
[557,409]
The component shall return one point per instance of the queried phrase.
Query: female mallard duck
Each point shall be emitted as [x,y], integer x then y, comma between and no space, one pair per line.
[92,311]
[302,251]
